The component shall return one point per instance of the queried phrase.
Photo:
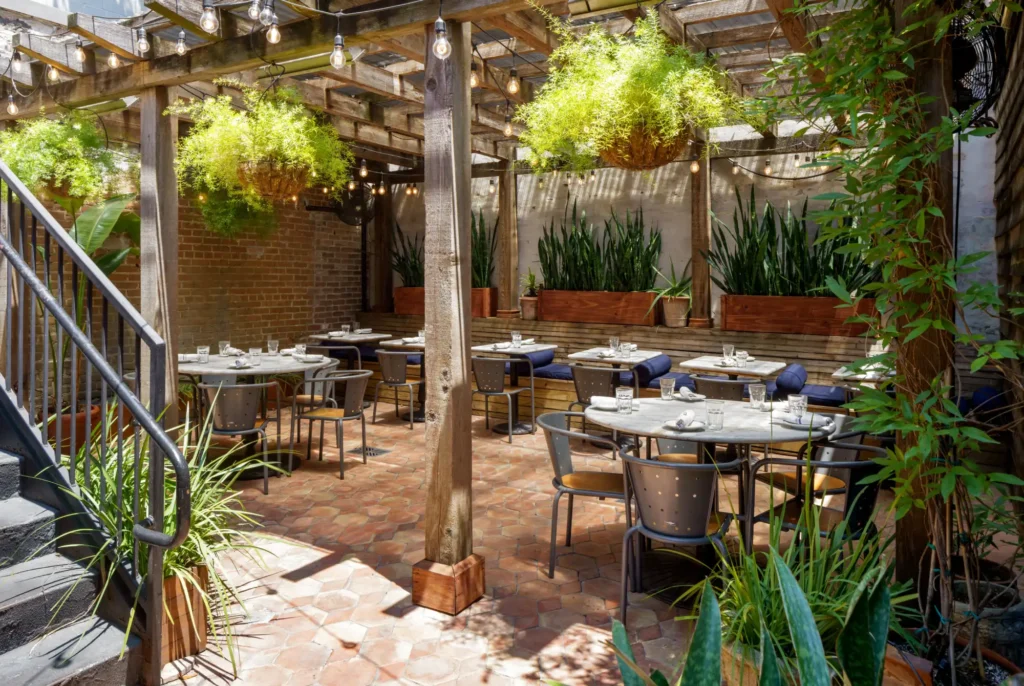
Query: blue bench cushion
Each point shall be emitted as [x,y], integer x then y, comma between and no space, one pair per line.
[415,359]
[681,378]
[562,372]
[648,370]
[541,358]
[830,396]
[368,353]
[791,379]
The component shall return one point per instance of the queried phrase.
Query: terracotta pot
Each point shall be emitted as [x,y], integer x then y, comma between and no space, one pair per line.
[484,302]
[528,307]
[78,420]
[791,314]
[597,307]
[409,300]
[184,632]
[674,311]
[641,151]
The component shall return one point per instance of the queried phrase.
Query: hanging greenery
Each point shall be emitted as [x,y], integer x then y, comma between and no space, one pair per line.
[65,156]
[632,100]
[241,161]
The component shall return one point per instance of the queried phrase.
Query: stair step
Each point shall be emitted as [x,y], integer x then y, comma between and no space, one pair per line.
[26,529]
[85,653]
[10,475]
[46,592]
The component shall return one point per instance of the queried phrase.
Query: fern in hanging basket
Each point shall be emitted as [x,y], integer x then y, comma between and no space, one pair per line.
[631,100]
[241,161]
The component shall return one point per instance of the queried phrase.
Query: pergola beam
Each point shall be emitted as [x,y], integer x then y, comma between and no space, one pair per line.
[715,10]
[107,34]
[57,54]
[184,14]
[528,29]
[36,10]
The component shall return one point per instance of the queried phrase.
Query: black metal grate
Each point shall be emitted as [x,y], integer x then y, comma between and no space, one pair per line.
[370,452]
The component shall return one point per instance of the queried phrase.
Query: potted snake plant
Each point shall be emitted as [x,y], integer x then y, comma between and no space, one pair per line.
[407,261]
[674,297]
[529,297]
[484,296]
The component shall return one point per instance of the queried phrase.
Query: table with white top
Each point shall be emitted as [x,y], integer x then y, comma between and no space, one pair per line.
[270,365]
[758,369]
[418,345]
[869,374]
[352,338]
[518,427]
[605,355]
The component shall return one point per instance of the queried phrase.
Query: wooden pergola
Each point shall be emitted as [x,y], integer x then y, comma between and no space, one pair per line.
[401,108]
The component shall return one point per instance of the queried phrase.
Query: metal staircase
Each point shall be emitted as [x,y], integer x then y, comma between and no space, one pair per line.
[71,342]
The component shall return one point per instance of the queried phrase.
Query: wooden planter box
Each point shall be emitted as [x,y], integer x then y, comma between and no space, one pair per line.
[484,302]
[597,307]
[409,300]
[184,634]
[740,668]
[791,314]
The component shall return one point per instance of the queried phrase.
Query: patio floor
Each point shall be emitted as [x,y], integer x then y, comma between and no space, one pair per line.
[331,603]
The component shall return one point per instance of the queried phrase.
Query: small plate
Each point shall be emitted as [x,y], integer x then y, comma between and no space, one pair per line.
[726,365]
[240,366]
[692,398]
[696,425]
[803,427]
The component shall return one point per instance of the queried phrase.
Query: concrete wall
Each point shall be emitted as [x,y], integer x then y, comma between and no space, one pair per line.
[977,228]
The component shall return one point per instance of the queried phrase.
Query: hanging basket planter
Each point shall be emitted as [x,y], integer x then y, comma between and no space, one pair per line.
[642,152]
[273,181]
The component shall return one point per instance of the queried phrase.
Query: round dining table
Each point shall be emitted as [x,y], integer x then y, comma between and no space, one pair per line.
[270,365]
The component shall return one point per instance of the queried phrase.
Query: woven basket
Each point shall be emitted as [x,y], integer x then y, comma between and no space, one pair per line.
[273,181]
[49,191]
[640,152]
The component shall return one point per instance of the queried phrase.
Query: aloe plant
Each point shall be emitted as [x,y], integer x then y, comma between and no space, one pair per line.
[675,286]
[482,247]
[407,258]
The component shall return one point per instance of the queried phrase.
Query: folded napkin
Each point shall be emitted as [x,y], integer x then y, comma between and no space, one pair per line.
[815,421]
[363,331]
[188,357]
[336,334]
[412,339]
[604,402]
[686,394]
[527,341]
[607,353]
[726,363]
[684,419]
[237,352]
[501,346]
[630,346]
[288,351]
[308,358]
[240,363]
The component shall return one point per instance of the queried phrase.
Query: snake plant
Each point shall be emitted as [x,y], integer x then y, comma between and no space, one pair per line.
[407,258]
[483,245]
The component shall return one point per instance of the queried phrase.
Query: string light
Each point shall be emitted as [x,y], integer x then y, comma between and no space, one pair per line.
[474,80]
[325,190]
[735,168]
[363,171]
[181,47]
[694,167]
[593,176]
[267,12]
[53,74]
[491,187]
[415,189]
[254,10]
[16,62]
[513,81]
[381,190]
[508,124]
[208,21]
[142,43]
[273,33]
[113,61]
[338,54]
[202,198]
[79,51]
[442,48]
[12,107]
[767,168]
[351,185]
[408,189]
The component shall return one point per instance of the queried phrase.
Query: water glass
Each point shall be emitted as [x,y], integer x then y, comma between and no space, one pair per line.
[272,346]
[728,351]
[741,358]
[613,343]
[346,329]
[517,339]
[222,347]
[757,395]
[203,353]
[624,399]
[300,348]
[668,388]
[716,414]
[798,405]
[625,351]
[254,356]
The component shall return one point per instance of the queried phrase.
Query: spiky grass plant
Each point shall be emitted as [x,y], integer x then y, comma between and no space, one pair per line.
[631,254]
[407,258]
[483,246]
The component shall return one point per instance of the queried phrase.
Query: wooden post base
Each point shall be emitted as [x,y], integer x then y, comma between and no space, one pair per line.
[697,323]
[508,314]
[448,588]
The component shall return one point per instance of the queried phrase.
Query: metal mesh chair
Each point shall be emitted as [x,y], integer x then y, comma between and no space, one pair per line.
[350,387]
[338,352]
[567,479]
[234,411]
[825,480]
[720,389]
[394,368]
[489,373]
[675,503]
[591,381]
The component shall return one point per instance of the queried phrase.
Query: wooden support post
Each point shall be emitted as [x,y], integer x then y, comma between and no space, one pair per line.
[158,209]
[700,241]
[508,237]
[451,577]
[383,281]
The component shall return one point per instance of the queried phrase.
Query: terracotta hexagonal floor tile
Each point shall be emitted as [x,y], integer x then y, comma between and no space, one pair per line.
[431,669]
[329,601]
[386,651]
[309,656]
[583,603]
[561,619]
[354,672]
[518,606]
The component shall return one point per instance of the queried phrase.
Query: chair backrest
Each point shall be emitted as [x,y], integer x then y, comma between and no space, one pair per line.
[235,407]
[675,445]
[720,389]
[673,498]
[591,381]
[394,366]
[490,374]
[350,389]
[557,432]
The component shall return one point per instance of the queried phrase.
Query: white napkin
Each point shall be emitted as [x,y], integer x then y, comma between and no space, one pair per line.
[603,402]
[363,331]
[685,393]
[288,351]
[240,362]
[308,358]
[336,334]
[527,341]
[188,357]
[412,339]
[630,346]
[606,353]
[726,363]
[684,419]
[809,420]
[235,351]
[501,346]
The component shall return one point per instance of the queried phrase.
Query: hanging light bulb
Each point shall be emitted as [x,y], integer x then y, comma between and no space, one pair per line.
[767,168]
[181,47]
[338,54]
[363,171]
[325,190]
[351,185]
[142,41]
[694,167]
[52,74]
[442,48]
[593,176]
[12,107]
[513,81]
[113,61]
[508,125]
[16,62]
[254,10]
[79,51]
[267,12]
[540,183]
[208,21]
[382,189]
[273,33]
[474,79]
[735,168]
[415,189]
[202,198]
[491,187]
[408,189]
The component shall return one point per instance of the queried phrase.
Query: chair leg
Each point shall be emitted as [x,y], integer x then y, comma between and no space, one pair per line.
[266,472]
[341,444]
[487,413]
[717,541]
[626,554]
[568,524]
[309,440]
[362,420]
[554,534]
[397,413]
[321,438]
[509,396]
[376,394]
[341,453]
[412,407]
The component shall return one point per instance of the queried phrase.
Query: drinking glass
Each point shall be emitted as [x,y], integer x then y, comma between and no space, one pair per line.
[625,351]
[204,354]
[757,394]
[798,405]
[741,358]
[300,348]
[613,343]
[272,346]
[422,334]
[517,339]
[624,399]
[668,388]
[222,347]
[728,351]
[716,414]
[254,356]
[346,329]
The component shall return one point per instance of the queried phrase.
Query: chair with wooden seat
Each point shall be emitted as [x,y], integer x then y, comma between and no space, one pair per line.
[858,504]
[675,504]
[570,481]
[717,388]
[394,370]
[348,387]
[489,373]
[591,381]
[234,412]
[824,480]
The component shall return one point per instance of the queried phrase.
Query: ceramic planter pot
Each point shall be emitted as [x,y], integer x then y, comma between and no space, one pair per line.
[674,311]
[528,307]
